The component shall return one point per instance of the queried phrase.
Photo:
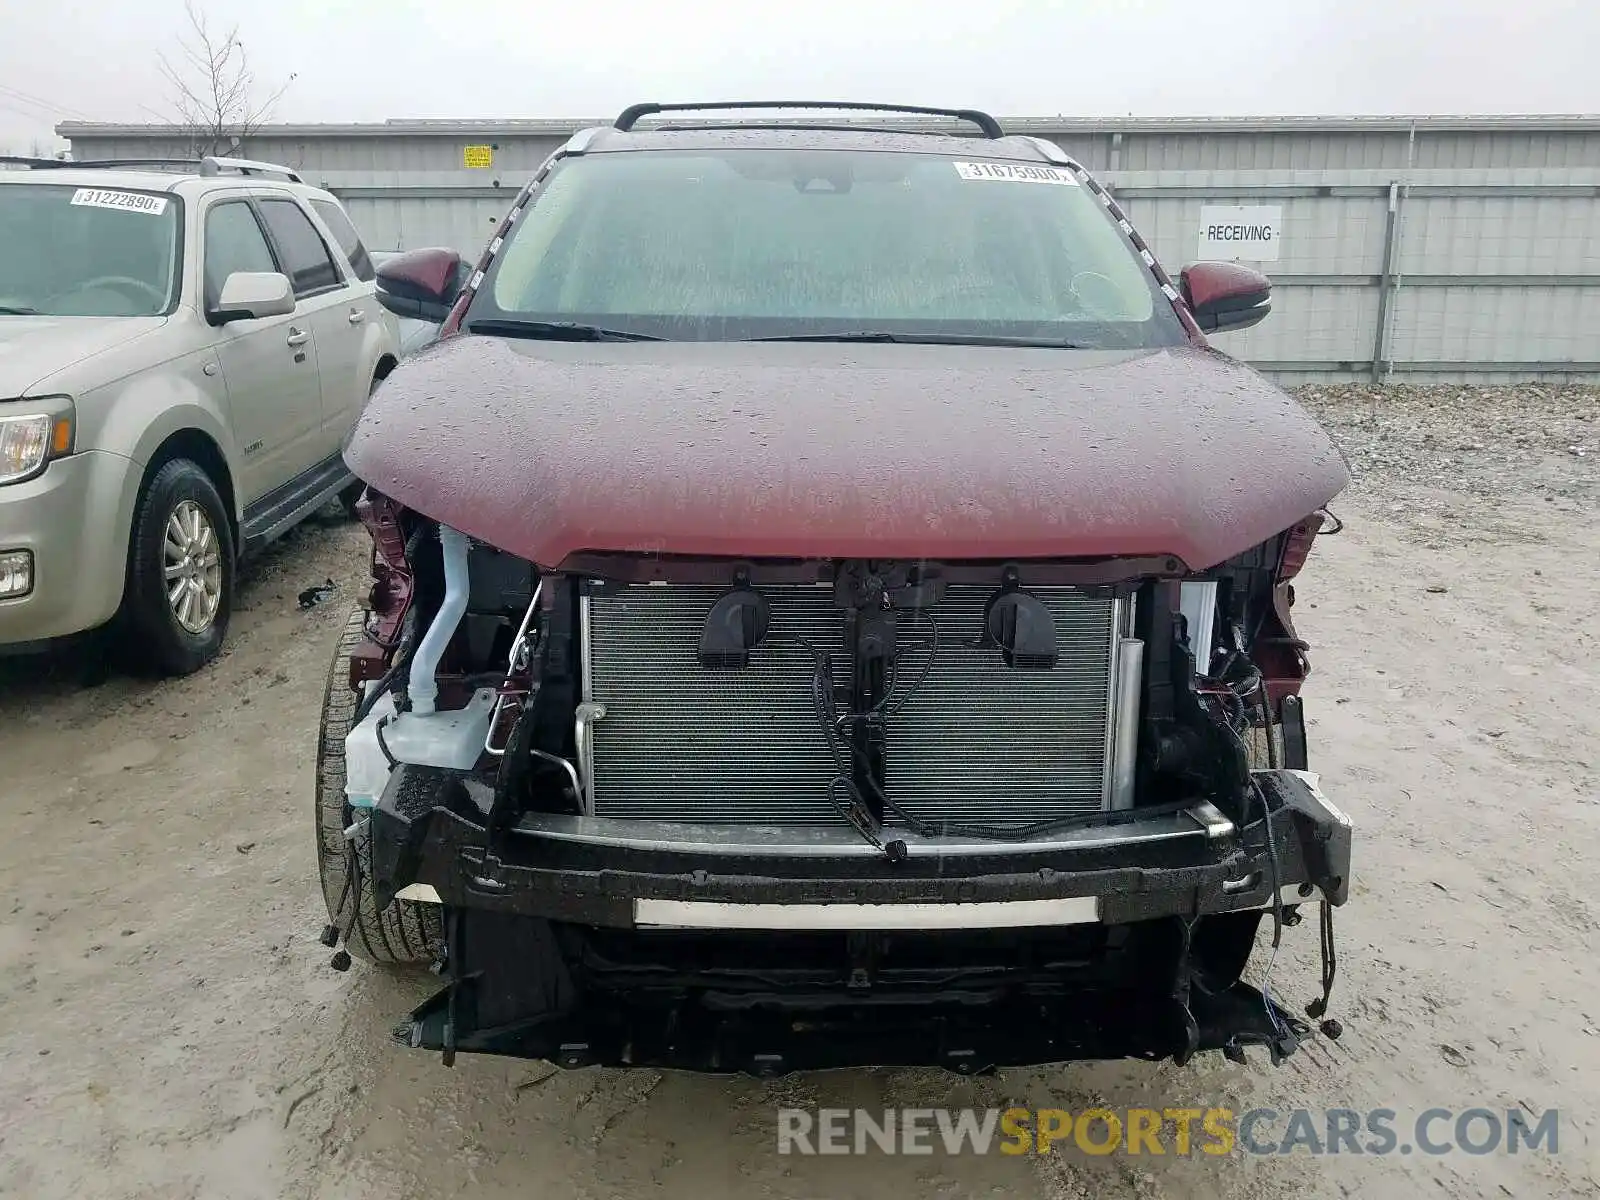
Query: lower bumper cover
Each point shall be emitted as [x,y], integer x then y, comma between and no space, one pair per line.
[565,946]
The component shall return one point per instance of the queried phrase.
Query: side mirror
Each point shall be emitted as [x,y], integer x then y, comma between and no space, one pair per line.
[251,295]
[421,284]
[1225,295]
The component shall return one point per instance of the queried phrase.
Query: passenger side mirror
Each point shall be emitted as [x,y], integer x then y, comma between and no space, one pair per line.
[1224,296]
[251,295]
[421,284]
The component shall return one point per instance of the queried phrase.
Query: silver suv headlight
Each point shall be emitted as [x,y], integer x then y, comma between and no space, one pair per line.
[28,441]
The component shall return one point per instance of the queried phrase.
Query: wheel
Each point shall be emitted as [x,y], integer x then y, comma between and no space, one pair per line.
[405,931]
[179,591]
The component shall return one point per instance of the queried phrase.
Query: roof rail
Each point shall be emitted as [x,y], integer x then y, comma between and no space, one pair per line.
[213,165]
[793,127]
[990,127]
[210,165]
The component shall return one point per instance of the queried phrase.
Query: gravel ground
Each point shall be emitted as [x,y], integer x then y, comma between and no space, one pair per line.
[169,1025]
[1540,439]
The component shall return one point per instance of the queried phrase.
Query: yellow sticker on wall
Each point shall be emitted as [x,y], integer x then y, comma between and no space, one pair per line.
[477,156]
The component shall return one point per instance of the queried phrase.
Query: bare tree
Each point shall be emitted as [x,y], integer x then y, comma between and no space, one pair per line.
[215,95]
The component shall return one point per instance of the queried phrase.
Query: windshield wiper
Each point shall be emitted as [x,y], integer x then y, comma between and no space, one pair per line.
[558,331]
[7,311]
[923,339]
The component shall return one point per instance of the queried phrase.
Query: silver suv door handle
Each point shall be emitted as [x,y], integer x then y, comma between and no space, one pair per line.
[298,337]
[357,316]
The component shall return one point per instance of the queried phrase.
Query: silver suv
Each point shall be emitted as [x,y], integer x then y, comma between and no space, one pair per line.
[183,348]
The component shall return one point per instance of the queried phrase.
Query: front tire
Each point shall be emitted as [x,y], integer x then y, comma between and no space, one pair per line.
[404,931]
[178,596]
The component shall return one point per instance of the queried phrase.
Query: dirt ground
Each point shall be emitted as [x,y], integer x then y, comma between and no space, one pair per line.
[169,1025]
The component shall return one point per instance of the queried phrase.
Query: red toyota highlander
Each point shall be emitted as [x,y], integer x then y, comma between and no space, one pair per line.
[830,606]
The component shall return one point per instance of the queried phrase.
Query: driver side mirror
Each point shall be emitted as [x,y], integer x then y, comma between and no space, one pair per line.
[1224,296]
[251,295]
[421,284]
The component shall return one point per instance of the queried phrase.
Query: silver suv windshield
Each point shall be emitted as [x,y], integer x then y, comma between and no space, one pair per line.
[747,242]
[86,252]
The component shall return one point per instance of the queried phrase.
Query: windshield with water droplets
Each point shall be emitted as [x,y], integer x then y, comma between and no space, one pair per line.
[758,242]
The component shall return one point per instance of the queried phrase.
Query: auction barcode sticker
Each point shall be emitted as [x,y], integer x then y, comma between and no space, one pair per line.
[127,201]
[1016,173]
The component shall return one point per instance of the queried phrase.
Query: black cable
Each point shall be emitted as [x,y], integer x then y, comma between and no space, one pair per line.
[845,758]
[822,705]
[1274,881]
[1266,722]
[927,667]
[856,817]
[383,745]
[402,656]
[1252,682]
[887,704]
[845,762]
[1240,689]
[1331,966]
[994,833]
[385,681]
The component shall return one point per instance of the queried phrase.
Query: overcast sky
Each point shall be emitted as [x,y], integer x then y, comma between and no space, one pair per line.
[367,60]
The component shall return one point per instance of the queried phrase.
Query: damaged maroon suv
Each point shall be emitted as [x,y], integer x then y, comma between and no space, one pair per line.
[830,607]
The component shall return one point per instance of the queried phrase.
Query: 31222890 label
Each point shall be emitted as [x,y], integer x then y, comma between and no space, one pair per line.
[138,202]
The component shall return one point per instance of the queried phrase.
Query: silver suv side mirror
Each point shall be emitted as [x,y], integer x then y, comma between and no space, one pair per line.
[251,295]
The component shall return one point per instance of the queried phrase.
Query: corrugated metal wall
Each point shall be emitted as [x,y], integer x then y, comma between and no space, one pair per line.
[1491,272]
[1488,268]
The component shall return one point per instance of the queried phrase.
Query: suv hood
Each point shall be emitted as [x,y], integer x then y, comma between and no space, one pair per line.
[34,348]
[828,450]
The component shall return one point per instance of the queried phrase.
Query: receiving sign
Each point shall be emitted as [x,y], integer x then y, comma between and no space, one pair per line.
[1249,232]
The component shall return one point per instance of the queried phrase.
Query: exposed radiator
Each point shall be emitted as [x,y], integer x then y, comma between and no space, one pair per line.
[977,743]
[980,743]
[681,743]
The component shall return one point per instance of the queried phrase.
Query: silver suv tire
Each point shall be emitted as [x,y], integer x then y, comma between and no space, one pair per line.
[179,592]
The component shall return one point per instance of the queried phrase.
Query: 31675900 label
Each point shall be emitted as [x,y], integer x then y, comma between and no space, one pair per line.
[1007,172]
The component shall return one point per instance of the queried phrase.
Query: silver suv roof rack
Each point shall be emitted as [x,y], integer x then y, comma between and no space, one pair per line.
[989,127]
[211,164]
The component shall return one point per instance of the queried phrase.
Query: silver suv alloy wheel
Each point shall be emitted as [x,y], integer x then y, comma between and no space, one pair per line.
[192,563]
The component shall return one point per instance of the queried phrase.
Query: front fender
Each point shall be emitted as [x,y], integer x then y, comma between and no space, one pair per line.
[138,414]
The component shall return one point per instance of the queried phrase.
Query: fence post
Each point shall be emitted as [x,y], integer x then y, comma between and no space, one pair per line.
[1380,339]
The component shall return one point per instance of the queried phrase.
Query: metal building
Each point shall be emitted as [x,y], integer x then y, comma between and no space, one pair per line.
[1425,249]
